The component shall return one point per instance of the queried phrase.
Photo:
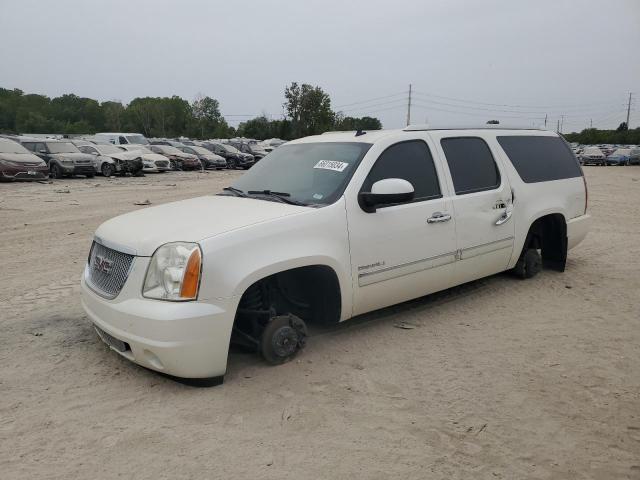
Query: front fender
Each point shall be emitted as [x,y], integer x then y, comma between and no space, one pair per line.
[234,260]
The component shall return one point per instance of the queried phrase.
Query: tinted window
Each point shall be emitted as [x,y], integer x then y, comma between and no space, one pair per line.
[540,159]
[410,161]
[30,146]
[471,164]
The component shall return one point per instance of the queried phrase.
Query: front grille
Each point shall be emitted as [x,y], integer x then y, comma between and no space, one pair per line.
[162,163]
[108,270]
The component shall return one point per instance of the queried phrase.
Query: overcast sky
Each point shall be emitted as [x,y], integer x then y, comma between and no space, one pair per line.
[468,61]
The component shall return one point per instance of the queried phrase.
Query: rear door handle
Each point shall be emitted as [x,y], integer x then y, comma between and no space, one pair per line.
[439,217]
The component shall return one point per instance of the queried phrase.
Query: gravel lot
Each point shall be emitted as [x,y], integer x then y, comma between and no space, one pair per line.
[500,378]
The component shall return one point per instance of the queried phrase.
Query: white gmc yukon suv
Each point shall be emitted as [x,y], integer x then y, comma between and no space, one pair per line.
[325,228]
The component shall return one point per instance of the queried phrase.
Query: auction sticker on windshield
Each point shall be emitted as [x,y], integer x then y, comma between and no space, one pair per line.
[331,165]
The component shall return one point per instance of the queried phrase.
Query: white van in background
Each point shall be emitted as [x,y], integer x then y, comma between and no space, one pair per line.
[120,138]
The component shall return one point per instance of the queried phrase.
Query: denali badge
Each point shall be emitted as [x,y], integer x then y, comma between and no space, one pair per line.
[102,264]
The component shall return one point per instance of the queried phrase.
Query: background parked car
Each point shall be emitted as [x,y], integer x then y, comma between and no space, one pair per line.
[592,156]
[151,162]
[234,157]
[254,149]
[109,160]
[179,159]
[62,157]
[208,159]
[18,163]
[634,156]
[121,138]
[619,157]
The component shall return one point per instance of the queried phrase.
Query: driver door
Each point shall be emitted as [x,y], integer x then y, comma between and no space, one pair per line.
[402,251]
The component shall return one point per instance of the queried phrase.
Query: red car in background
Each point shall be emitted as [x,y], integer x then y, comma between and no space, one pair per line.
[18,163]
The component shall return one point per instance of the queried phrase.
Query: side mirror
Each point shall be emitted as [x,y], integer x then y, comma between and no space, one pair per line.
[386,192]
[43,151]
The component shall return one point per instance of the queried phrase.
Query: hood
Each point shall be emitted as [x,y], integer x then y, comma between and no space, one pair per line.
[28,158]
[75,156]
[123,156]
[212,156]
[193,220]
[152,157]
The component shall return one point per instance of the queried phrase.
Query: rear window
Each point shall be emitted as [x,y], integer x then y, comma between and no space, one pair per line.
[540,159]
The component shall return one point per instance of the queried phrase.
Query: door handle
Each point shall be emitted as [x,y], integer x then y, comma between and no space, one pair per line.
[506,215]
[439,217]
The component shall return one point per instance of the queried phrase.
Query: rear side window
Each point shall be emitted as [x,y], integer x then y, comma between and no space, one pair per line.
[30,146]
[471,164]
[411,161]
[540,159]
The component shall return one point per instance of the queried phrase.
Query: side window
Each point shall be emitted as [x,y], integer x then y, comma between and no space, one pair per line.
[471,164]
[37,147]
[122,140]
[411,161]
[540,158]
[29,146]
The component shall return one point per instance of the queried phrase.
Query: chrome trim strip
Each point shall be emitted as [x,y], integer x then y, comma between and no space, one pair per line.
[433,262]
[418,266]
[488,247]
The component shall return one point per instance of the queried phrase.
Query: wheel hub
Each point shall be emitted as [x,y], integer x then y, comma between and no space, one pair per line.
[284,341]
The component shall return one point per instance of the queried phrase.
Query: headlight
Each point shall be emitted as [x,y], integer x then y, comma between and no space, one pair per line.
[174,272]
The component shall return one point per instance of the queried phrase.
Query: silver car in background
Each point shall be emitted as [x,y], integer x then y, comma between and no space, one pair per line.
[151,162]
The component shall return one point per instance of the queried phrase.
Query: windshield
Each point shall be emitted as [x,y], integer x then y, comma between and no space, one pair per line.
[140,149]
[312,173]
[622,151]
[169,150]
[62,147]
[229,148]
[10,146]
[137,139]
[106,149]
[201,150]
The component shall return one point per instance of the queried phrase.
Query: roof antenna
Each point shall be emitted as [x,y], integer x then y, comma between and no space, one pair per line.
[360,132]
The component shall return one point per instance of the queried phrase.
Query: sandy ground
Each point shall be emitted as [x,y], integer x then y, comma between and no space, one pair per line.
[500,378]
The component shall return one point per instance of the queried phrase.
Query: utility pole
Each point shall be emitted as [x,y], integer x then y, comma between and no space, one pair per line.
[628,109]
[545,120]
[561,122]
[558,127]
[409,107]
[591,123]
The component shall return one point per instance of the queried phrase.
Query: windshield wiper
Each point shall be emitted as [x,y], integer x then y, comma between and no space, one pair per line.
[237,191]
[281,196]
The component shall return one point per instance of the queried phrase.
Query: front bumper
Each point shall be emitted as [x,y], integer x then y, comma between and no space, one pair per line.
[23,173]
[183,339]
[87,169]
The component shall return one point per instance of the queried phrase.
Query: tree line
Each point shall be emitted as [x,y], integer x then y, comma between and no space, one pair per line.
[307,112]
[620,136]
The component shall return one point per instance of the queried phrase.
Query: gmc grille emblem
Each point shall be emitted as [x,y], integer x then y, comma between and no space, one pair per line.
[102,264]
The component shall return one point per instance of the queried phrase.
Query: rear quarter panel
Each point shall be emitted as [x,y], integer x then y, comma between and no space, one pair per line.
[535,200]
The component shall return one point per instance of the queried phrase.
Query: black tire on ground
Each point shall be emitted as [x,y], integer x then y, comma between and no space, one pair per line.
[139,173]
[282,339]
[529,264]
[107,169]
[56,171]
[90,175]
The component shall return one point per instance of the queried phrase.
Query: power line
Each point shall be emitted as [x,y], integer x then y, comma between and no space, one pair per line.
[370,100]
[566,106]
